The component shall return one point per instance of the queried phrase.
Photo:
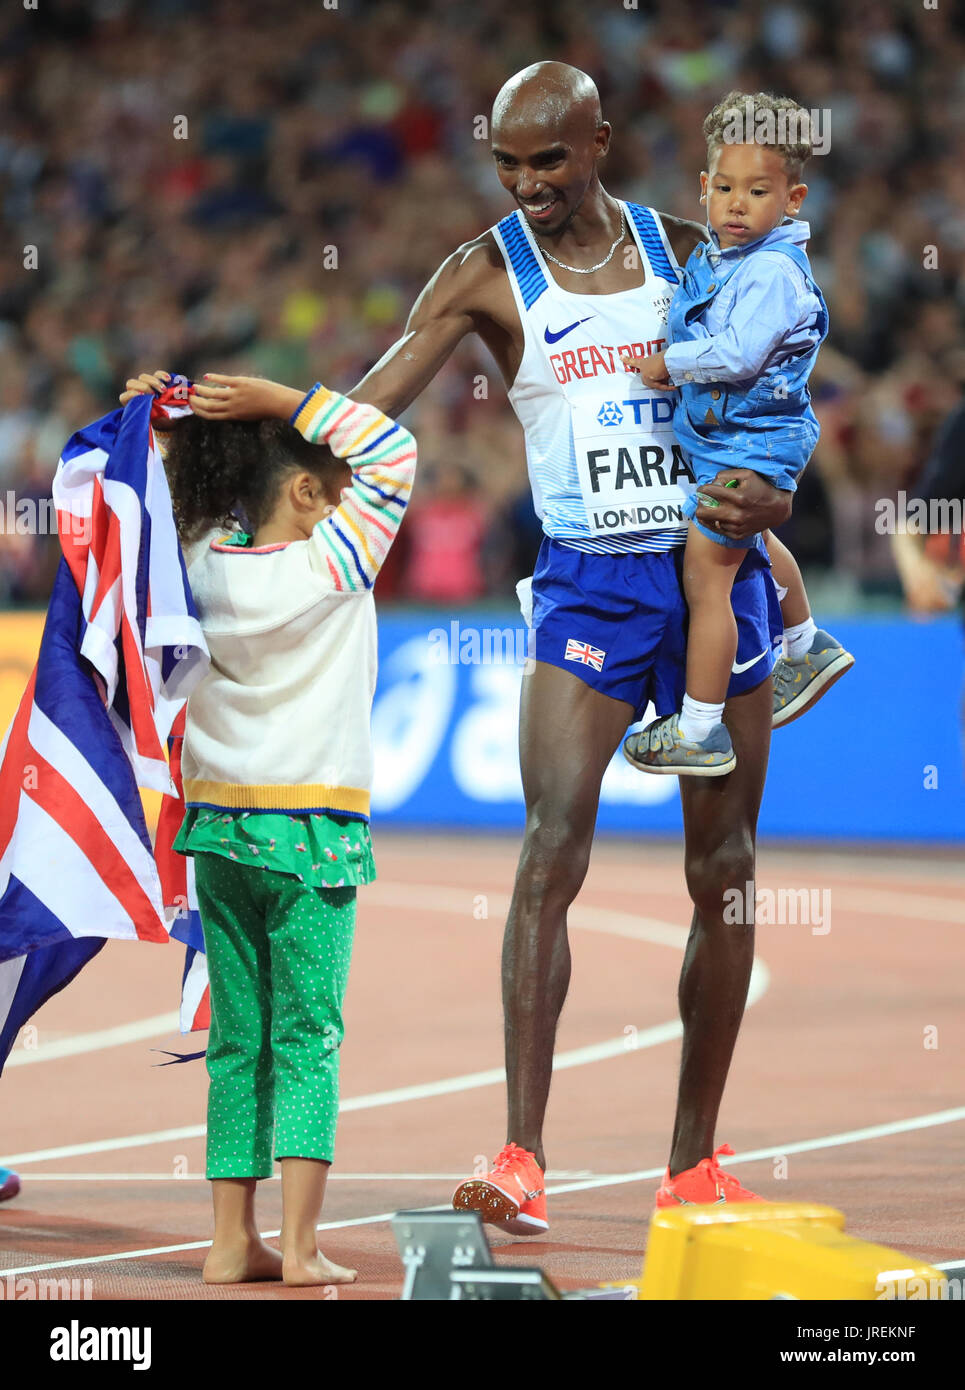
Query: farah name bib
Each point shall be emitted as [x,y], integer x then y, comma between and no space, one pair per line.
[633,475]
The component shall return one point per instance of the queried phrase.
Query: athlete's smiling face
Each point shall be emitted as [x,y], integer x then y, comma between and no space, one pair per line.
[548,164]
[748,193]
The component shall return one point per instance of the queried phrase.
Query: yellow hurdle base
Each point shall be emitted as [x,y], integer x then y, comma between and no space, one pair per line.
[764,1250]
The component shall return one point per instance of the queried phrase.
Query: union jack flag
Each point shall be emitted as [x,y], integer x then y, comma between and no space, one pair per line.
[177,882]
[582,651]
[121,650]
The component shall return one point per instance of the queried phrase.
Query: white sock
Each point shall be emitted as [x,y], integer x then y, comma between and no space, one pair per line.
[798,639]
[697,719]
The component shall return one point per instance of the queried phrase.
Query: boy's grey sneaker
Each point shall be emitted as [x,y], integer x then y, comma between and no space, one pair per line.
[661,747]
[800,684]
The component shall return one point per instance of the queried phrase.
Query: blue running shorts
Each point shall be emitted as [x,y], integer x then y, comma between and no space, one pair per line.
[619,622]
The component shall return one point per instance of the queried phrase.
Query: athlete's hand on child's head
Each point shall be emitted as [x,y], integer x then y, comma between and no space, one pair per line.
[140,385]
[218,397]
[652,371]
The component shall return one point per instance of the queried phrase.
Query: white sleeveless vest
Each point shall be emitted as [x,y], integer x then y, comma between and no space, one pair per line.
[606,471]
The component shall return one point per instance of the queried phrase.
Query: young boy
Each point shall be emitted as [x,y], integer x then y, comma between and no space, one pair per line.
[745,327]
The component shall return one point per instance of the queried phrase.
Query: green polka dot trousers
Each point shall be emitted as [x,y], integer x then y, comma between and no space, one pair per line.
[278,959]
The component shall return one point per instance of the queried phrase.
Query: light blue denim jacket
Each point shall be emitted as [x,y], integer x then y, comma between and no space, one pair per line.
[745,327]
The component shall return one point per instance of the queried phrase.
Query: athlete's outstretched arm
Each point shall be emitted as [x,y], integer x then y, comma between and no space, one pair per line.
[444,313]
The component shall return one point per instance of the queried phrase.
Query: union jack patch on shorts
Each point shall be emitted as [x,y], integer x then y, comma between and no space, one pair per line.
[582,651]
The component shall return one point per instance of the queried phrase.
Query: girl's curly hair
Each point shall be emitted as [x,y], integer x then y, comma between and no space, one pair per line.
[229,472]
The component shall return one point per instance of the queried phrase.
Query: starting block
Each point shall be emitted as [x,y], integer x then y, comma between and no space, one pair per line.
[767,1250]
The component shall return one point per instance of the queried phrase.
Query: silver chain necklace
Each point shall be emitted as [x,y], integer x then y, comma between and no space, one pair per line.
[589,269]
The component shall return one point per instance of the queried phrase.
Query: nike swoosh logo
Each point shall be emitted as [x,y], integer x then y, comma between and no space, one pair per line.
[740,666]
[555,337]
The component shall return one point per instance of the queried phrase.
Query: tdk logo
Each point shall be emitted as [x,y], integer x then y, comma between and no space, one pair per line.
[659,408]
[610,413]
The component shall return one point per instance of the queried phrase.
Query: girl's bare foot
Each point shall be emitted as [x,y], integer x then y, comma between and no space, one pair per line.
[248,1262]
[299,1271]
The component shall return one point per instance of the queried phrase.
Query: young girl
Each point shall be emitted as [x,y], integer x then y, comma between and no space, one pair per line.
[277,767]
[745,328]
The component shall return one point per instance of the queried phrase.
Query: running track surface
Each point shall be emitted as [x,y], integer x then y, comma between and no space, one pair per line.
[837,1086]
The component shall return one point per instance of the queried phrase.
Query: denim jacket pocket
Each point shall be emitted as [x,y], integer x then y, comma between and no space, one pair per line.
[707,409]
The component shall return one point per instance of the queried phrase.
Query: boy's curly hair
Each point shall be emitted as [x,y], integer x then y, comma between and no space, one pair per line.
[778,123]
[228,472]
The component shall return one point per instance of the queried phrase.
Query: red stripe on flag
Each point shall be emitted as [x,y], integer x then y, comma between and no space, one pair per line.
[74,545]
[172,866]
[66,806]
[105,545]
[16,758]
[202,1014]
[140,697]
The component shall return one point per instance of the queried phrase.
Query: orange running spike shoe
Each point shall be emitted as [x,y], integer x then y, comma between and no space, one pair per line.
[511,1196]
[706,1183]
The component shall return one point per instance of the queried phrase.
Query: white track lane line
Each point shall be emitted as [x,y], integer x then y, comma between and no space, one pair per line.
[160,1026]
[916,907]
[176,1249]
[96,1146]
[454,901]
[577,1057]
[276,1177]
[851,1136]
[829,1141]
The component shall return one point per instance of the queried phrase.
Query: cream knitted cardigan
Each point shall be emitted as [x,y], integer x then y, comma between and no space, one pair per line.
[281,722]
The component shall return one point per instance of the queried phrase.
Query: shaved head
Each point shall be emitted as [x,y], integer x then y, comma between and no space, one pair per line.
[551,96]
[548,136]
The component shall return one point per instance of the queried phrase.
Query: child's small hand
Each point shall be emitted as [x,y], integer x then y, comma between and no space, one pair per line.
[140,385]
[652,371]
[218,397]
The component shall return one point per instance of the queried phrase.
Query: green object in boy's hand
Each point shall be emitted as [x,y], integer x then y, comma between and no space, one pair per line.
[712,501]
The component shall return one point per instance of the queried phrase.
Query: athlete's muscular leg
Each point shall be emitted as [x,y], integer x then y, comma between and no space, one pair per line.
[720,826]
[567,734]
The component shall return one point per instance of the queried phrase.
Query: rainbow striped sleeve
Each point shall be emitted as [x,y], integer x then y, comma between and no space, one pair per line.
[355,538]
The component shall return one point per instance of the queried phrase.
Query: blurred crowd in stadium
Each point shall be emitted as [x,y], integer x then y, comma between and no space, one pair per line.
[335,156]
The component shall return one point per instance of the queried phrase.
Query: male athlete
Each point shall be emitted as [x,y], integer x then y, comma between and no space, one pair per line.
[564,286]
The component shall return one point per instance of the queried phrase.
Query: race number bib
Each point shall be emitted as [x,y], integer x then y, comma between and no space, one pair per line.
[633,474]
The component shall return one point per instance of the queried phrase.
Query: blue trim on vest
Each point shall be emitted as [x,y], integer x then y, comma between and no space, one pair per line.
[526,268]
[649,233]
